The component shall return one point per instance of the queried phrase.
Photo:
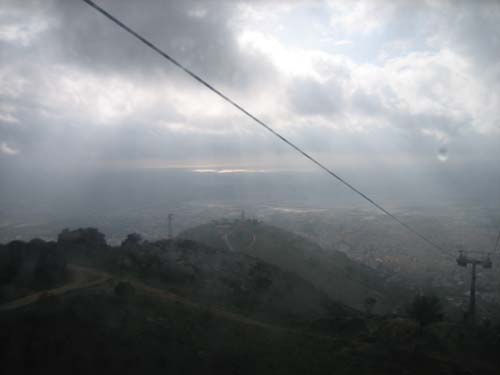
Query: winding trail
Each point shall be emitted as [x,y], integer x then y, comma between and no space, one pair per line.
[88,277]
[83,278]
[165,295]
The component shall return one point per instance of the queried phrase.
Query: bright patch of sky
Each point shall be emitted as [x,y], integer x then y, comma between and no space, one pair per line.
[414,76]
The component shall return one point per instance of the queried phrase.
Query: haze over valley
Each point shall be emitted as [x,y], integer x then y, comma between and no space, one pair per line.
[249,187]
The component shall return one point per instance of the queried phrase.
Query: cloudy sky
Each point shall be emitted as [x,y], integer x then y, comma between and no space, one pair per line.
[361,82]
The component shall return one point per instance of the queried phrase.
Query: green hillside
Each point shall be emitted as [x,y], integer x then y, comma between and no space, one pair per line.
[220,277]
[101,330]
[333,272]
[95,331]
[180,307]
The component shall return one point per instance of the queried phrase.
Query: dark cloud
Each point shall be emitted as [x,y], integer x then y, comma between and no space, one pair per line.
[56,48]
[198,34]
[472,29]
[310,97]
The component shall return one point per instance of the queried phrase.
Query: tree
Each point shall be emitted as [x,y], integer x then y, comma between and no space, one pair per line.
[425,310]
[133,239]
[88,237]
[50,268]
[11,260]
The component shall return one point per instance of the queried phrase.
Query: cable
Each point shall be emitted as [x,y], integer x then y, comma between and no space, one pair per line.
[261,123]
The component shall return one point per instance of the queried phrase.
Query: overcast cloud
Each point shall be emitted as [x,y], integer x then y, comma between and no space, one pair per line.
[348,81]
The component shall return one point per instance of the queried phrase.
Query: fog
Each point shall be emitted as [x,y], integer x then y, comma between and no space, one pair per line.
[151,225]
[88,114]
[92,121]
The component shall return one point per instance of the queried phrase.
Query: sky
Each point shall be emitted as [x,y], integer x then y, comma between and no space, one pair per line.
[355,83]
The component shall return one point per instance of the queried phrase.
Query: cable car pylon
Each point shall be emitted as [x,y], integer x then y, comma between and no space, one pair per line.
[463,260]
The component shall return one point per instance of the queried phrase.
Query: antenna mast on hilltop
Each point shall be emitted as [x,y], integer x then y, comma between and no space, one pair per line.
[170,231]
[462,261]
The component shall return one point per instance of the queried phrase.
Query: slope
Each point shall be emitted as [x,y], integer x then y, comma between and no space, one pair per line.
[333,272]
[219,277]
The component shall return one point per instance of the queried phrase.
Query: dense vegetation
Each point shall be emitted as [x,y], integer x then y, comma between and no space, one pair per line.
[30,266]
[177,306]
[330,271]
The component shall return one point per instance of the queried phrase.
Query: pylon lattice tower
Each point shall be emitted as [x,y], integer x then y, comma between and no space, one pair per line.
[463,260]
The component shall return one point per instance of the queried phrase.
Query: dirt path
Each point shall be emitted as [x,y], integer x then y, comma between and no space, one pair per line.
[82,278]
[165,295]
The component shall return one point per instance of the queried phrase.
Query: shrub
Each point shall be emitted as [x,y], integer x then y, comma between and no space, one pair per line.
[425,310]
[133,239]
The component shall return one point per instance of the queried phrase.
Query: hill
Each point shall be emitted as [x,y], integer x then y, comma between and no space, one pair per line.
[102,330]
[219,277]
[98,331]
[343,279]
[201,273]
[177,306]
